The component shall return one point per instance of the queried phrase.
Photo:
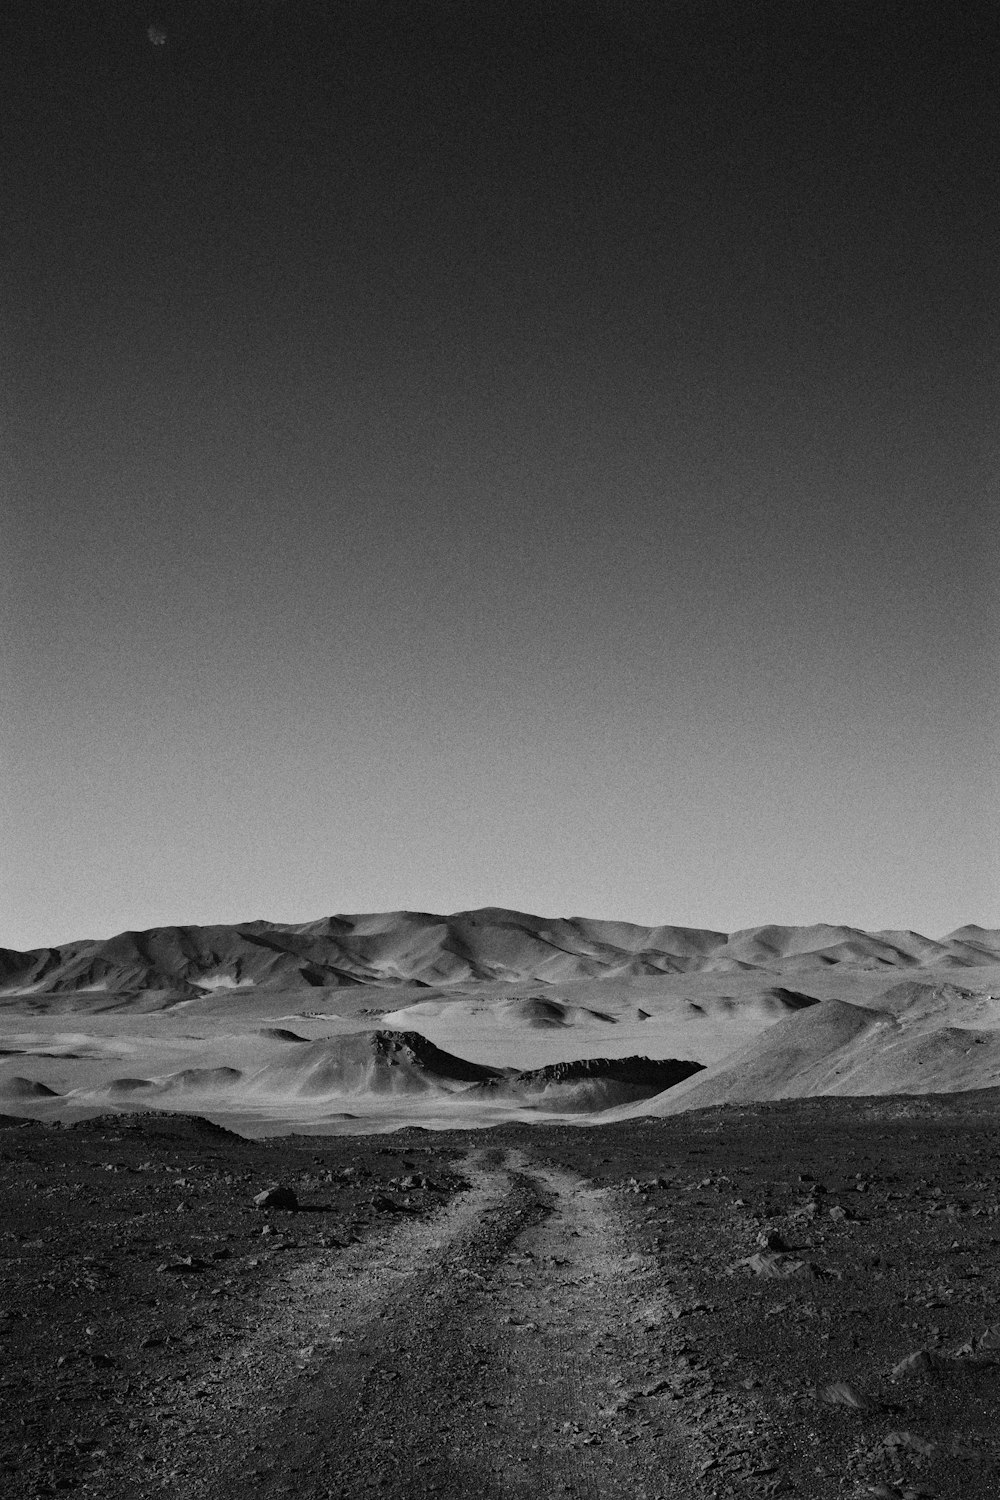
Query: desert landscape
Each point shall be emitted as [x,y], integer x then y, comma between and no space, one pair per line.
[466,461]
[492,1204]
[368,1023]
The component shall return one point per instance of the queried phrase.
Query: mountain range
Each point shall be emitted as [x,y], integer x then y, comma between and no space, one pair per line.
[490,945]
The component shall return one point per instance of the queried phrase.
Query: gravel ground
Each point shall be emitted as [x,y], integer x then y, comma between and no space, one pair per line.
[720,1304]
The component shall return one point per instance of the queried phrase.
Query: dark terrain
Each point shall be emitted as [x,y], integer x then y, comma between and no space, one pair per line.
[519,1312]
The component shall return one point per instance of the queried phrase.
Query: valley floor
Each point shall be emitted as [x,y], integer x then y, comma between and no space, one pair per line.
[708,1306]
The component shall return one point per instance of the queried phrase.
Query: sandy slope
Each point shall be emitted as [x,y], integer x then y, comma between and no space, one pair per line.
[918,1039]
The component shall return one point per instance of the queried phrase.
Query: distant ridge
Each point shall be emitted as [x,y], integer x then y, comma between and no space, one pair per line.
[469,947]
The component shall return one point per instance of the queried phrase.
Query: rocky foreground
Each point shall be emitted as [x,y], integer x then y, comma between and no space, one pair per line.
[787,1298]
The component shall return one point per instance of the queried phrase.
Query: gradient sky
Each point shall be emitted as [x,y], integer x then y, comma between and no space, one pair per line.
[461,453]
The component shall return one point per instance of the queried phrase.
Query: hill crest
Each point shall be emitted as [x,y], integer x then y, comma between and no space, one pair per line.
[487,945]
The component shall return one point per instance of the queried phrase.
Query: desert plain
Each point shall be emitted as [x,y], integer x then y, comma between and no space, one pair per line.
[572,1208]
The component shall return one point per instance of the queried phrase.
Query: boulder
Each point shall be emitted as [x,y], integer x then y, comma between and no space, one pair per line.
[920,1362]
[277,1197]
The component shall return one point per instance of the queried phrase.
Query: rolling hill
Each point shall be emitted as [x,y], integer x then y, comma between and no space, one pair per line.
[369,1022]
[491,945]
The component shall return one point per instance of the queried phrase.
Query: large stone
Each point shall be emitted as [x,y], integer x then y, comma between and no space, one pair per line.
[277,1197]
[920,1362]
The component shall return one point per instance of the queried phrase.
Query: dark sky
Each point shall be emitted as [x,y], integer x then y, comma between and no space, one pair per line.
[465,453]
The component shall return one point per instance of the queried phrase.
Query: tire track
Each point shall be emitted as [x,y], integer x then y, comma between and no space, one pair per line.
[326,1329]
[484,1352]
[557,1313]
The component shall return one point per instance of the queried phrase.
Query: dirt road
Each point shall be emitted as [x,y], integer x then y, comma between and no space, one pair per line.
[533,1312]
[500,1349]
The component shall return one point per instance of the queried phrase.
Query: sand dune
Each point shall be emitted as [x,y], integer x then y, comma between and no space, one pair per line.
[187,1081]
[16,1087]
[533,1013]
[797,1056]
[912,1043]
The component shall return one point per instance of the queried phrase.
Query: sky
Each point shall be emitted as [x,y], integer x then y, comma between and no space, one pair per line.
[537,455]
